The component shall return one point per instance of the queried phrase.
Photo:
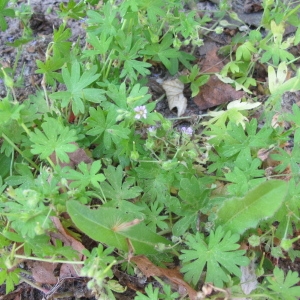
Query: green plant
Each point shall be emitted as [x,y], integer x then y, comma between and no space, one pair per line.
[196,82]
[98,157]
[219,252]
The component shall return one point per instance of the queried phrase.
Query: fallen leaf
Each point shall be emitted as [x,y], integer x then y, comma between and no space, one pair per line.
[174,91]
[67,270]
[43,272]
[173,275]
[215,92]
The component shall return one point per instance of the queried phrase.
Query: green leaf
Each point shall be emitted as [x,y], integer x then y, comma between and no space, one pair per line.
[113,227]
[117,187]
[100,45]
[194,192]
[77,91]
[218,253]
[49,67]
[26,211]
[101,124]
[297,36]
[239,214]
[9,111]
[132,65]
[153,8]
[54,138]
[284,287]
[61,47]
[104,21]
[5,12]
[245,51]
[151,294]
[9,277]
[162,51]
[181,226]
[72,10]
[88,175]
[25,178]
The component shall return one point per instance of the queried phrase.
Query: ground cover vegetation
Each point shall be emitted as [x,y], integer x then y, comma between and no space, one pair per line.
[88,157]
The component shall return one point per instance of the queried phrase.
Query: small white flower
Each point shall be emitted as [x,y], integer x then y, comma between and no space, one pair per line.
[141,112]
[187,130]
[151,129]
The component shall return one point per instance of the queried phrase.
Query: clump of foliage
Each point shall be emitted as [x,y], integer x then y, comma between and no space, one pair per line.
[140,186]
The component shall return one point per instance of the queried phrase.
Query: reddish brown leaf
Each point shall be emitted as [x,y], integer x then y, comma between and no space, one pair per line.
[67,270]
[215,92]
[173,275]
[42,272]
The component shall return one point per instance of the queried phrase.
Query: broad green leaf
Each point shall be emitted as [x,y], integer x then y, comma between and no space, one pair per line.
[113,227]
[219,253]
[239,214]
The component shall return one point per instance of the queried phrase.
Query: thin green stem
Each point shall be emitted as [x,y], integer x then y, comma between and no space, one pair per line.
[19,150]
[50,260]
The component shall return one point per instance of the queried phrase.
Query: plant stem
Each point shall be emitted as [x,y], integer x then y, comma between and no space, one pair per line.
[50,260]
[19,150]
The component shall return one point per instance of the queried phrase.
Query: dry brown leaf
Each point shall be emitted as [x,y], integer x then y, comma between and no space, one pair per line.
[174,91]
[263,154]
[173,275]
[43,272]
[61,234]
[215,92]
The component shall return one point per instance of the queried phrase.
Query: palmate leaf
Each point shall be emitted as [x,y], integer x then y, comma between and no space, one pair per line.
[218,253]
[162,51]
[105,125]
[88,175]
[114,227]
[116,188]
[54,138]
[127,51]
[77,88]
[61,45]
[284,287]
